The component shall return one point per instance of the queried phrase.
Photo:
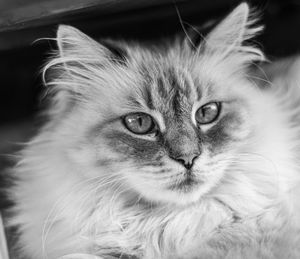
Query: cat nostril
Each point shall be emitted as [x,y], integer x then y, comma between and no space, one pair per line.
[187,161]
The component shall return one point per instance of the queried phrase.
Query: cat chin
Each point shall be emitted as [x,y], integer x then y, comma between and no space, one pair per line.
[182,194]
[176,197]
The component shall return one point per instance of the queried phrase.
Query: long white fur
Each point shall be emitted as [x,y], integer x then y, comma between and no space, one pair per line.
[69,210]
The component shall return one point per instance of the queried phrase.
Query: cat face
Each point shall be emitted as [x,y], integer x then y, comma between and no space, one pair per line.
[177,144]
[165,123]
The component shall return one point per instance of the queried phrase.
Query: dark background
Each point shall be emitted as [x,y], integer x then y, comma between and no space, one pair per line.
[21,24]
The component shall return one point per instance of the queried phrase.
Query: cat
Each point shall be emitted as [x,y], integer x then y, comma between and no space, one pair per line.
[162,152]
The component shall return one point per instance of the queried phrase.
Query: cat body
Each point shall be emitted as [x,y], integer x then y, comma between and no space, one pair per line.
[168,152]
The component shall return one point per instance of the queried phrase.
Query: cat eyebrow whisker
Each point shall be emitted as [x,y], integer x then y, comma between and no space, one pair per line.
[182,26]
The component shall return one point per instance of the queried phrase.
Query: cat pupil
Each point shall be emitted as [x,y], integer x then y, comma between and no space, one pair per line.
[140,121]
[204,111]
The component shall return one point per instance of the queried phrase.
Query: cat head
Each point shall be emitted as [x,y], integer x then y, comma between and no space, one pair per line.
[162,122]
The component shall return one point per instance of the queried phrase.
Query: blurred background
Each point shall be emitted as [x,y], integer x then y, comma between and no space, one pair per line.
[22,57]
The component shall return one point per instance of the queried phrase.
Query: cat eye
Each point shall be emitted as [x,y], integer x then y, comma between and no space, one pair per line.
[139,123]
[208,113]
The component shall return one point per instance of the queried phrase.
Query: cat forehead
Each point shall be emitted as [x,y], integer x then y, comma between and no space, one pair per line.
[171,91]
[172,74]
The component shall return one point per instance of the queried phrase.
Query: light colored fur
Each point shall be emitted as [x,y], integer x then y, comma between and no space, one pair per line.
[249,207]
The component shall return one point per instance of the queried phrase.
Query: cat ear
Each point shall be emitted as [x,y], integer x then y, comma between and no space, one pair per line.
[230,33]
[81,64]
[74,45]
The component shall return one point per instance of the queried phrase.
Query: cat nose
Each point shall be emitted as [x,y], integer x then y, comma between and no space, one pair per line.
[187,160]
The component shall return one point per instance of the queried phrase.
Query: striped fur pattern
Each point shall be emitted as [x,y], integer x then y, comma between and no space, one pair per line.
[87,187]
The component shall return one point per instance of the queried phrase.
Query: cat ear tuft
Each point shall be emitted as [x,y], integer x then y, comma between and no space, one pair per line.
[232,30]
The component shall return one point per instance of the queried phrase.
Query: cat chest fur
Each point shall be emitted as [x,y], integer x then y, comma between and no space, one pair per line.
[207,230]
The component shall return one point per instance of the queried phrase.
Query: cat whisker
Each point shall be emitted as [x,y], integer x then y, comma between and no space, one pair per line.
[138,200]
[260,79]
[91,195]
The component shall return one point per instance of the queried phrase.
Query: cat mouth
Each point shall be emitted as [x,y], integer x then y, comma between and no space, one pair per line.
[188,183]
